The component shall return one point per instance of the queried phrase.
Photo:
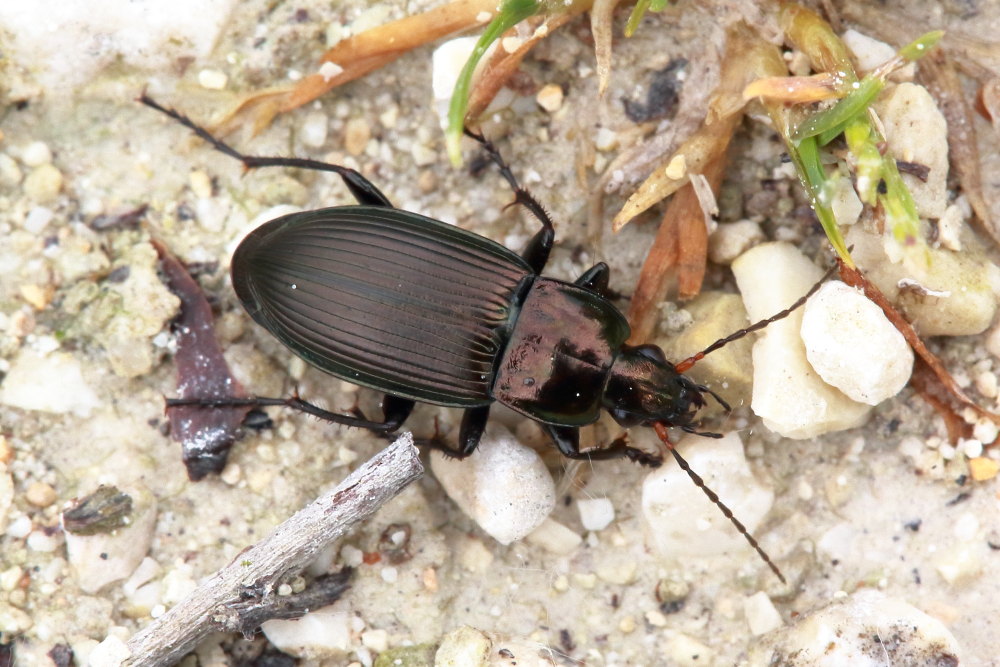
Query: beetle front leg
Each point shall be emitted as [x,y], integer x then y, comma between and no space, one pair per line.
[567,439]
[595,278]
[469,434]
[536,254]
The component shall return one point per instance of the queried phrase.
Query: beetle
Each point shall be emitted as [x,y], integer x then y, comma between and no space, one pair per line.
[427,312]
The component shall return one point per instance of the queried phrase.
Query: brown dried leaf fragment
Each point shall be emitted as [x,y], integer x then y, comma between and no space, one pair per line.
[938,74]
[205,434]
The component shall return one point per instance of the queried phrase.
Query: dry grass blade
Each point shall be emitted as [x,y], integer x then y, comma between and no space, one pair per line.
[682,244]
[501,65]
[600,26]
[939,76]
[740,67]
[360,54]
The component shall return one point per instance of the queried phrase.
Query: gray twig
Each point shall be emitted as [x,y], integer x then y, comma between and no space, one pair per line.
[288,549]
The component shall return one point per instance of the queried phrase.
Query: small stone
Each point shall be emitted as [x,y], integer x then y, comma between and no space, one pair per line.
[606,139]
[314,129]
[10,173]
[787,392]
[200,183]
[37,296]
[43,541]
[111,652]
[212,79]
[595,513]
[43,184]
[844,202]
[555,538]
[853,346]
[106,557]
[732,239]
[982,468]
[324,632]
[916,131]
[447,62]
[464,647]
[685,651]
[11,578]
[376,640]
[677,168]
[6,495]
[52,383]
[760,613]
[854,630]
[36,153]
[38,219]
[357,133]
[40,494]
[681,521]
[329,70]
[550,97]
[503,485]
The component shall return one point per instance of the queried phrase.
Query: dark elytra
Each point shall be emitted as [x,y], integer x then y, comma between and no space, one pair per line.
[426,311]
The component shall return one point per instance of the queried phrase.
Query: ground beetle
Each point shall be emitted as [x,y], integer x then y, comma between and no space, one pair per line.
[425,311]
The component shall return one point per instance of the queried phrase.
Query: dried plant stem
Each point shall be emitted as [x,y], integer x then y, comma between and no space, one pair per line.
[288,549]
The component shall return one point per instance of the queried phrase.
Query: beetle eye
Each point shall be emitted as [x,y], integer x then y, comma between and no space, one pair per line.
[652,352]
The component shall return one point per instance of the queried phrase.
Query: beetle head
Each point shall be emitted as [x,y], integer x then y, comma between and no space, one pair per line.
[644,388]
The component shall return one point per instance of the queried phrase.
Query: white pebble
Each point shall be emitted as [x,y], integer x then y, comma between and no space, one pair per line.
[212,79]
[761,615]
[595,513]
[966,527]
[36,153]
[38,219]
[464,646]
[959,563]
[985,431]
[103,558]
[53,383]
[916,131]
[7,500]
[39,540]
[111,652]
[555,538]
[503,485]
[681,521]
[314,129]
[853,346]
[325,632]
[328,70]
[787,392]
[856,631]
[447,62]
[732,239]
[685,651]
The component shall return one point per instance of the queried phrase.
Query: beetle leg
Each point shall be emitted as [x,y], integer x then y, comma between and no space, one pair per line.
[469,433]
[536,254]
[595,278]
[363,190]
[396,409]
[567,439]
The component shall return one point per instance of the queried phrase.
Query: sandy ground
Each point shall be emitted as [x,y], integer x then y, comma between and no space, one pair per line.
[864,508]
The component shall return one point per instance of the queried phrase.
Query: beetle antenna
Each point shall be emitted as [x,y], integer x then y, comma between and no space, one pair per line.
[686,365]
[661,431]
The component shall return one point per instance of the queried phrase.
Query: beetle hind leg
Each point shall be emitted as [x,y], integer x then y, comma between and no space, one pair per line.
[469,434]
[363,190]
[395,409]
[567,439]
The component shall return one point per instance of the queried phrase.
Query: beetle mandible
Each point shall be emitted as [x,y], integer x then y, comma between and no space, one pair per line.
[425,311]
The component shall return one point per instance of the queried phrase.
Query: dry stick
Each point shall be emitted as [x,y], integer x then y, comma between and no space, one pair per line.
[289,548]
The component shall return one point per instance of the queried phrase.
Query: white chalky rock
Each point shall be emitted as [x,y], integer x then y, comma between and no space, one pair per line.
[853,346]
[322,633]
[787,392]
[916,131]
[103,558]
[503,486]
[867,630]
[50,383]
[681,521]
